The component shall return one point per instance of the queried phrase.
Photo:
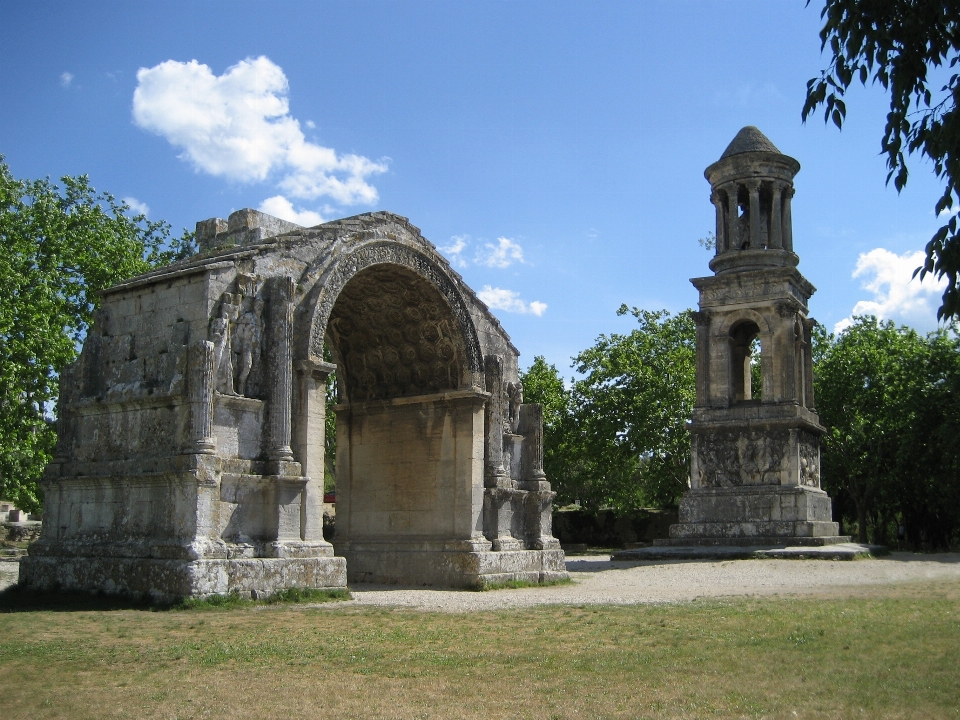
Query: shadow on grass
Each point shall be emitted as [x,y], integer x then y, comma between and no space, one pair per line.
[16,599]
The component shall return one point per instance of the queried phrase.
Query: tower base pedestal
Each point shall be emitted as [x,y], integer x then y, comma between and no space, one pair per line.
[755,515]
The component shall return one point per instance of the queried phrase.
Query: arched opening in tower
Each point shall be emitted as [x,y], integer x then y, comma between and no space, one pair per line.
[746,378]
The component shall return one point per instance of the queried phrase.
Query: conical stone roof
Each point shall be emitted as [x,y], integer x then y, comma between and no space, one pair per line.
[750,139]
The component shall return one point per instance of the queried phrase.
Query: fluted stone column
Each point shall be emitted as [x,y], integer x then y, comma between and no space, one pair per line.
[753,187]
[537,501]
[776,218]
[495,475]
[531,427]
[200,379]
[733,236]
[718,204]
[281,363]
[787,220]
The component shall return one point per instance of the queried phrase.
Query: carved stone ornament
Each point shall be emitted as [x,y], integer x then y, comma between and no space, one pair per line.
[397,255]
[746,457]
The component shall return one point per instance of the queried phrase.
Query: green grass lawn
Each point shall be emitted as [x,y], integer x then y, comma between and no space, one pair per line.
[893,653]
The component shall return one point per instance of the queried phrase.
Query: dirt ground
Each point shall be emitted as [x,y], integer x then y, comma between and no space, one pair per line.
[597,580]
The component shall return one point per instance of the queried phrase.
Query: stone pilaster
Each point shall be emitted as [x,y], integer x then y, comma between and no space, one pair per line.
[495,474]
[808,398]
[281,369]
[201,367]
[310,442]
[702,320]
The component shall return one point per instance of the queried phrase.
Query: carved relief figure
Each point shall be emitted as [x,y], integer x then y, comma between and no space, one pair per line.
[223,360]
[220,335]
[744,458]
[246,343]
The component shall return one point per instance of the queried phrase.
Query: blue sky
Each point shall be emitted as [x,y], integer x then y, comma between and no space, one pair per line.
[554,149]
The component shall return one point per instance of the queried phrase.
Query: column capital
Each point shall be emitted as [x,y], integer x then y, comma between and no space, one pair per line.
[700,317]
[319,369]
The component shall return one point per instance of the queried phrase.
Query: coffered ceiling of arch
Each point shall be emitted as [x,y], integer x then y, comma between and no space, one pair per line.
[394,336]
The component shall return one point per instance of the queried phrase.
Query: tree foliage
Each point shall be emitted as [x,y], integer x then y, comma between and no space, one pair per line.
[889,399]
[623,442]
[902,45]
[60,247]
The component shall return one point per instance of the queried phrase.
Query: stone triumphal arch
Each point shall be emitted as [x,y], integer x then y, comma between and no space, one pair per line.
[192,427]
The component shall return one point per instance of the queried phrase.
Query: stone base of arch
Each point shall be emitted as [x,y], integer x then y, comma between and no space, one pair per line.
[411,497]
[446,564]
[167,580]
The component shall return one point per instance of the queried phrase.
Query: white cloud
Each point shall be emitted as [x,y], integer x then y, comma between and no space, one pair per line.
[139,208]
[238,125]
[509,300]
[65,79]
[501,255]
[311,124]
[949,212]
[454,251]
[896,293]
[280,207]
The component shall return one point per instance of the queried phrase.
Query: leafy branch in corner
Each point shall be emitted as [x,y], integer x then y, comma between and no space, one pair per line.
[899,44]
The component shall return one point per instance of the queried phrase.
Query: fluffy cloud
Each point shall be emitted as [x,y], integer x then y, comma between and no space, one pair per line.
[509,300]
[139,208]
[501,255]
[280,207]
[238,125]
[454,251]
[65,79]
[896,293]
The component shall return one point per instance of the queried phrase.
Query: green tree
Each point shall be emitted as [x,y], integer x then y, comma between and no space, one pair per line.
[902,45]
[60,247]
[887,397]
[926,488]
[630,412]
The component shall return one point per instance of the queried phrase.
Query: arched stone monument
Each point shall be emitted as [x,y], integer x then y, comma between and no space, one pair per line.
[755,456]
[190,458]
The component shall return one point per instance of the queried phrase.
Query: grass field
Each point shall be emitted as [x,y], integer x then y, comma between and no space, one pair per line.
[894,653]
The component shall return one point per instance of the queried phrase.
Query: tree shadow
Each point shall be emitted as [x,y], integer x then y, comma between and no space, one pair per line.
[19,599]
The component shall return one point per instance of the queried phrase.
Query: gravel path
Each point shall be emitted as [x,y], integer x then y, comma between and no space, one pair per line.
[599,581]
[596,580]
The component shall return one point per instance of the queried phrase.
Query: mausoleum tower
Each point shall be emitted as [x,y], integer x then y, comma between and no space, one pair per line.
[755,456]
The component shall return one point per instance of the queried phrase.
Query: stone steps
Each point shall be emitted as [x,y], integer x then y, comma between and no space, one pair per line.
[839,551]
